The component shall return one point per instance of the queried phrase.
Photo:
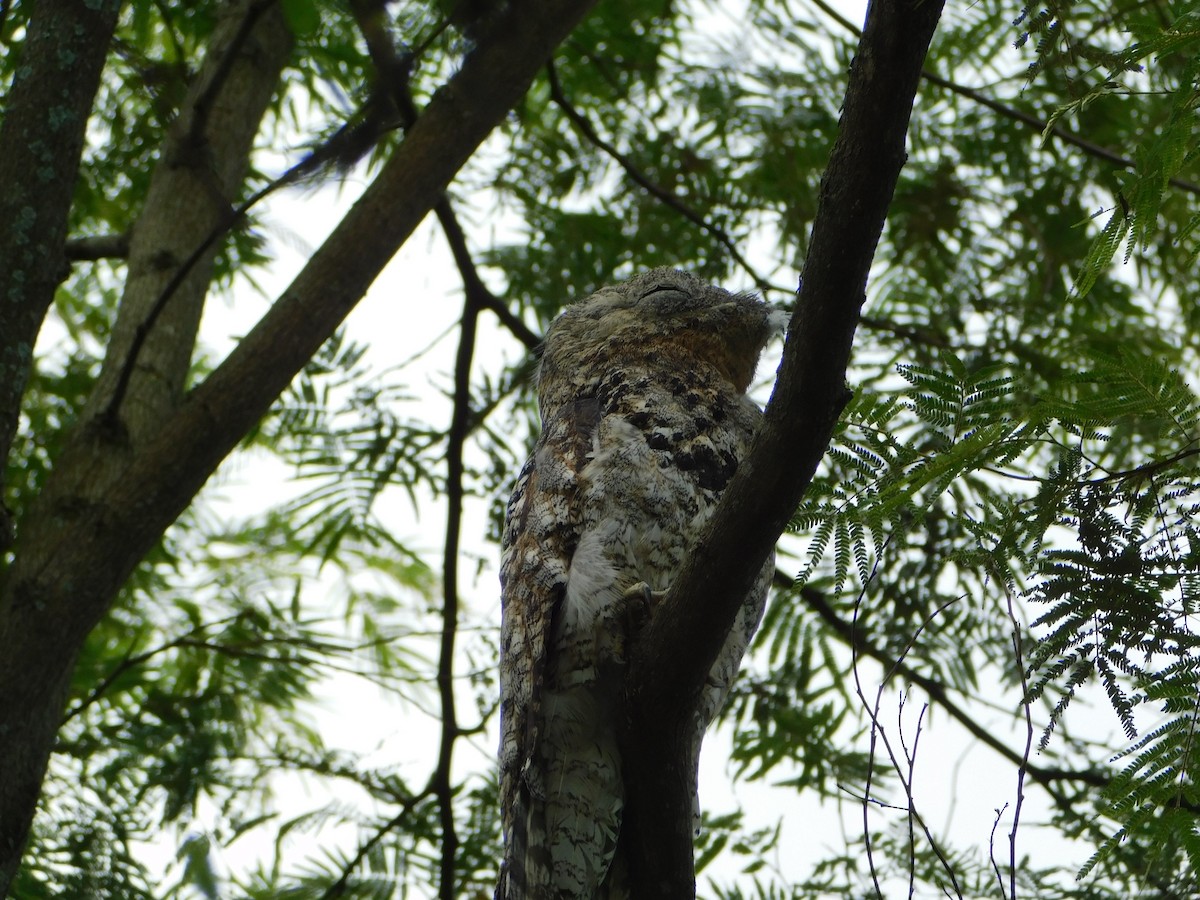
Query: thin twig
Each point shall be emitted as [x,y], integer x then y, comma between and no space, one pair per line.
[1187,750]
[131,661]
[395,73]
[455,473]
[877,729]
[191,640]
[339,887]
[1149,468]
[910,758]
[164,12]
[992,850]
[1045,776]
[394,70]
[1019,657]
[327,767]
[914,333]
[866,798]
[203,104]
[457,240]
[906,783]
[584,126]
[1142,471]
[871,749]
[1039,125]
[345,146]
[312,163]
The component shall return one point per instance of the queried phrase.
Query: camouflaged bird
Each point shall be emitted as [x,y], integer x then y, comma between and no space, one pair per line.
[642,394]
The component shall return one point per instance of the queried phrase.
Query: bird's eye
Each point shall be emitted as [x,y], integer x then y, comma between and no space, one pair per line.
[675,296]
[661,288]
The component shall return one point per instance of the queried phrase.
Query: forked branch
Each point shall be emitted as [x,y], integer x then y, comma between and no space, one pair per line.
[673,656]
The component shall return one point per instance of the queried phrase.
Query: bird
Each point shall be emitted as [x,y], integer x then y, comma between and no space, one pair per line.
[642,396]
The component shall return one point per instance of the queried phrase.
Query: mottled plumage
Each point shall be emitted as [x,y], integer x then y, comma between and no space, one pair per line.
[644,419]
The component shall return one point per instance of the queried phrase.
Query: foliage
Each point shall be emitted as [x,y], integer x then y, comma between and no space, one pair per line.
[1021,448]
[1158,54]
[1109,550]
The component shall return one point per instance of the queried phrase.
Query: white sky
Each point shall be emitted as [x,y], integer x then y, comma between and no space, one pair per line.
[958,786]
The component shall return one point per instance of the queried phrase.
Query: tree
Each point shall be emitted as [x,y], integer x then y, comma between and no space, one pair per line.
[1017,447]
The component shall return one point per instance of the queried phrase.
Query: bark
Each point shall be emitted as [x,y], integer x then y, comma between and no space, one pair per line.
[80,549]
[41,142]
[203,161]
[677,649]
[194,187]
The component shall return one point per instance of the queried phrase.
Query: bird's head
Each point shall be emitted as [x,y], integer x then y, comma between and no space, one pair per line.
[662,319]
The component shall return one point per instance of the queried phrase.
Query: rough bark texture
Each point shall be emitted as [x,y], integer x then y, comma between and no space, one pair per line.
[679,645]
[41,141]
[79,544]
[192,192]
[45,611]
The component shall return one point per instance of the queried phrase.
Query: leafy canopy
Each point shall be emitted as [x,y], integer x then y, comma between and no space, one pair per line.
[1020,449]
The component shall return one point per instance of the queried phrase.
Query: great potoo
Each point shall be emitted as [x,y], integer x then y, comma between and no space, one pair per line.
[642,395]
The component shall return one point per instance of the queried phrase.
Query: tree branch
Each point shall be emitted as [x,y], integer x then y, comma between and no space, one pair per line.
[386,788]
[59,586]
[41,143]
[816,601]
[394,70]
[132,661]
[188,207]
[671,659]
[455,472]
[213,81]
[457,240]
[394,73]
[1040,126]
[1047,777]
[99,246]
[638,177]
[1009,112]
[342,884]
[345,147]
[914,333]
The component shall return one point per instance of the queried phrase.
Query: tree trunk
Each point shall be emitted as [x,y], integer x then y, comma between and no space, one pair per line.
[41,142]
[132,467]
[673,656]
[48,609]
